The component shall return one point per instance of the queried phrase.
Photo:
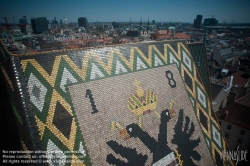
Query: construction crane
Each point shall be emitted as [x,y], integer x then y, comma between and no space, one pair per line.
[9,34]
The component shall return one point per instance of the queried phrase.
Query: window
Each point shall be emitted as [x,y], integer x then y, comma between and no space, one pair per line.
[198,64]
[229,127]
[227,135]
[239,141]
[242,132]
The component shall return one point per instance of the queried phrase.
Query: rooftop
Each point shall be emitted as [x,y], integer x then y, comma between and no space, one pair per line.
[236,93]
[163,32]
[132,34]
[120,98]
[215,90]
[213,71]
[182,36]
[240,79]
[245,100]
[238,114]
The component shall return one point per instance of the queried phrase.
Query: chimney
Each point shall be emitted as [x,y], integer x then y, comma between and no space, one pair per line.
[224,114]
[227,86]
[231,81]
[224,72]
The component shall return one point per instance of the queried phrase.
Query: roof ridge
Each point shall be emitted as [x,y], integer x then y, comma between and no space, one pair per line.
[242,97]
[216,84]
[77,49]
[233,74]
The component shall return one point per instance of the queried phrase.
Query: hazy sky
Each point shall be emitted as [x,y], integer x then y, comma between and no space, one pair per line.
[123,10]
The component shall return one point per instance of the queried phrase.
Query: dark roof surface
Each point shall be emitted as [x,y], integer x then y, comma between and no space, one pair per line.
[229,56]
[238,114]
[245,100]
[215,90]
[50,45]
[198,51]
[240,91]
[132,34]
[213,72]
[240,78]
[236,93]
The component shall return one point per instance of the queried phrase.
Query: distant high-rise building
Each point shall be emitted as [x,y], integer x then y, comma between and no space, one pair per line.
[153,21]
[22,23]
[82,22]
[54,21]
[66,21]
[198,21]
[210,22]
[23,20]
[60,21]
[39,24]
[27,29]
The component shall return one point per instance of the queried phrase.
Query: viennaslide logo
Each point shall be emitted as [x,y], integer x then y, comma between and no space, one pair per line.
[238,155]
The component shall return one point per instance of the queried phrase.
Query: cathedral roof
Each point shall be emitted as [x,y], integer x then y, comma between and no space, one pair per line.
[138,104]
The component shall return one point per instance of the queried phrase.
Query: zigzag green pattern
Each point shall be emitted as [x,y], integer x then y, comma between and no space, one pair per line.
[65,95]
[17,114]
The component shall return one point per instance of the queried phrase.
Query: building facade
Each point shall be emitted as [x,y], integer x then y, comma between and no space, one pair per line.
[235,135]
[82,22]
[222,55]
[27,29]
[23,20]
[39,24]
[210,22]
[198,21]
[235,124]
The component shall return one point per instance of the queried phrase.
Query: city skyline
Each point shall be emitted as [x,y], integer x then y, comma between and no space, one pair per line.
[121,11]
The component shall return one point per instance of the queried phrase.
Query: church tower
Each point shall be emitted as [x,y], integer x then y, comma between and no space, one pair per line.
[141,25]
[148,27]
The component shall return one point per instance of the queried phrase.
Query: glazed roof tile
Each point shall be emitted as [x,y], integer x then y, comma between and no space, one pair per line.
[97,100]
